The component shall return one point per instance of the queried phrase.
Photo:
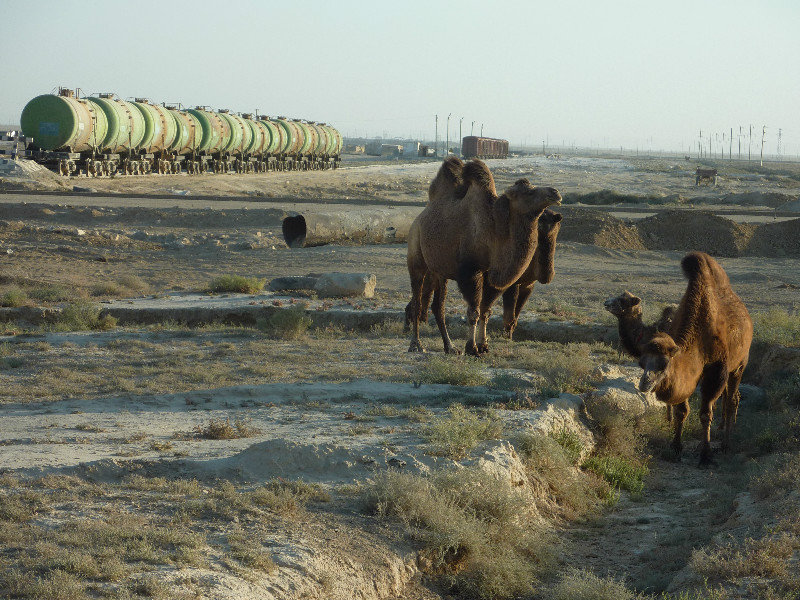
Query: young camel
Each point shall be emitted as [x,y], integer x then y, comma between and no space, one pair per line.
[482,241]
[633,333]
[708,343]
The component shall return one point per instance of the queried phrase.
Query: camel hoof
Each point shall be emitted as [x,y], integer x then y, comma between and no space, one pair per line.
[416,347]
[471,349]
[707,462]
[451,350]
[483,348]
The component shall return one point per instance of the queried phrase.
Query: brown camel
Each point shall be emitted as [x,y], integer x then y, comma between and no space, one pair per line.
[468,234]
[541,269]
[708,343]
[633,333]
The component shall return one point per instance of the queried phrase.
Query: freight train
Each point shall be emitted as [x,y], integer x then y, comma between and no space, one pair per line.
[106,135]
[481,147]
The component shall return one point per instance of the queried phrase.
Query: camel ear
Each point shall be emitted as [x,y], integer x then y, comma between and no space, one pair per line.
[501,212]
[633,301]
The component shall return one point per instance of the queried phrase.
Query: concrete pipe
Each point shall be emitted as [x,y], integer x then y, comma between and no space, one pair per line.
[366,226]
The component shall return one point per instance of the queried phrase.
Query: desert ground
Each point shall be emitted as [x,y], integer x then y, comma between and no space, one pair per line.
[172,431]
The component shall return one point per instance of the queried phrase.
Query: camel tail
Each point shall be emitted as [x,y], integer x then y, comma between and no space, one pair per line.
[477,172]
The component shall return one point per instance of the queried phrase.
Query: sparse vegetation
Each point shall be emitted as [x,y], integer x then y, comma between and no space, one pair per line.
[476,531]
[584,585]
[453,370]
[459,431]
[286,324]
[218,429]
[82,315]
[14,298]
[51,293]
[236,284]
[777,326]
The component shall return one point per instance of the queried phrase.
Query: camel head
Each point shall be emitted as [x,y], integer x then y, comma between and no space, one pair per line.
[656,358]
[530,201]
[624,304]
[549,226]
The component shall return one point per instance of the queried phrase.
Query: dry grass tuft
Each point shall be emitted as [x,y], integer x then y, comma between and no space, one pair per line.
[217,429]
[457,432]
[477,532]
[236,284]
[286,324]
[453,370]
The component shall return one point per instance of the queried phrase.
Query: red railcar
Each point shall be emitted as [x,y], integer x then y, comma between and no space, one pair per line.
[481,147]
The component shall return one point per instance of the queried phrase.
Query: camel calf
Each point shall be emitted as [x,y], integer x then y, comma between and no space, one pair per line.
[708,343]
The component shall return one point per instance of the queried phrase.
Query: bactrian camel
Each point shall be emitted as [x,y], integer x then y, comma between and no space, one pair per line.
[482,241]
[708,343]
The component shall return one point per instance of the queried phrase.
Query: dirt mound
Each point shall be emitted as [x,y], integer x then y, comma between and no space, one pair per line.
[776,239]
[592,227]
[771,199]
[694,230]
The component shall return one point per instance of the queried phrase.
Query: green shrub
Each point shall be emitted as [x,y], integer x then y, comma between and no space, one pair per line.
[459,431]
[81,315]
[452,370]
[620,472]
[570,442]
[14,298]
[286,323]
[236,284]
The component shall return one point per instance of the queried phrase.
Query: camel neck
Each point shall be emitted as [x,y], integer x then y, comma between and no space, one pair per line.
[513,253]
[631,332]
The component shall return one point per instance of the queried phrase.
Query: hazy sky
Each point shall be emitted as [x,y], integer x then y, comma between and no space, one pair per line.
[608,73]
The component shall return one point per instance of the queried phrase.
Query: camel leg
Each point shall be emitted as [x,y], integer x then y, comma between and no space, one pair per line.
[681,412]
[471,286]
[731,405]
[509,310]
[427,291]
[490,294]
[417,281]
[439,295]
[715,378]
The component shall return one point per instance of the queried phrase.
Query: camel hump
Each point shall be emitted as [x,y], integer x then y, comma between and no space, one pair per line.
[449,178]
[698,265]
[476,171]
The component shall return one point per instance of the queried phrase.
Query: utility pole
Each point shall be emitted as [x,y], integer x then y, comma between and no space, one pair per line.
[749,142]
[730,148]
[447,146]
[700,146]
[459,135]
[481,129]
[472,129]
[780,132]
[763,138]
[436,139]
[740,142]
